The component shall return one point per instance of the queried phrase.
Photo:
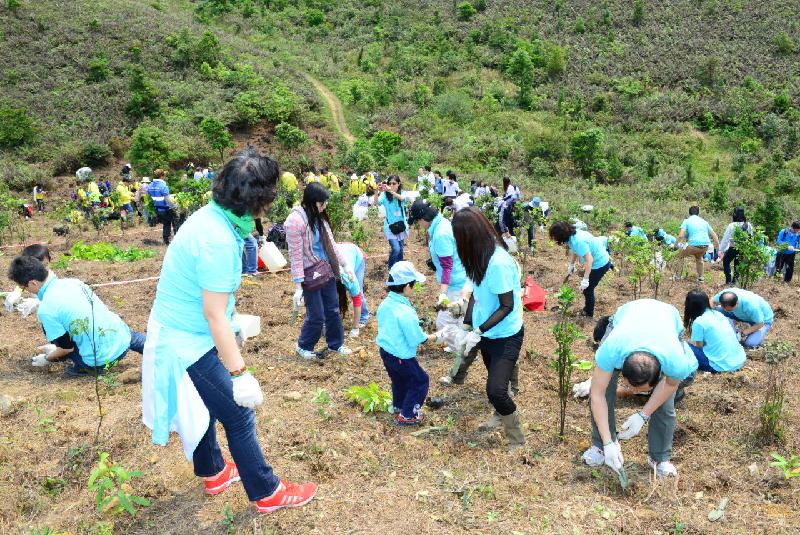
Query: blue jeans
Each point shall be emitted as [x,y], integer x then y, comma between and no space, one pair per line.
[588,294]
[702,360]
[396,252]
[137,346]
[250,256]
[360,272]
[409,383]
[215,387]
[754,339]
[322,308]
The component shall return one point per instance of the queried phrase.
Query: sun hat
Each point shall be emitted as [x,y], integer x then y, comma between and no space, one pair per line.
[403,272]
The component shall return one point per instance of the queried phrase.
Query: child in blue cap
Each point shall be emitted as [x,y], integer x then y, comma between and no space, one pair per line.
[399,334]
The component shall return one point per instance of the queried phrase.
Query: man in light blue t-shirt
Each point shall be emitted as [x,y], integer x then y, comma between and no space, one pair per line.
[698,235]
[747,307]
[77,324]
[643,343]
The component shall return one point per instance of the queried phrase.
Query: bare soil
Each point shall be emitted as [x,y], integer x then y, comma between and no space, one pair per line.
[373,476]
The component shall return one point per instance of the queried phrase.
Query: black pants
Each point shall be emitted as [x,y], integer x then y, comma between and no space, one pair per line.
[588,294]
[500,357]
[785,259]
[167,218]
[727,258]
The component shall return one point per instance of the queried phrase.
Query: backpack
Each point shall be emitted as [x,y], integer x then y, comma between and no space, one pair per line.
[277,235]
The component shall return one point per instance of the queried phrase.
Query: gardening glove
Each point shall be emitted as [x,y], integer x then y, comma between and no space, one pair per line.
[247,391]
[47,349]
[443,302]
[27,306]
[457,308]
[581,390]
[40,361]
[354,333]
[570,269]
[790,249]
[632,426]
[441,336]
[297,298]
[613,456]
[13,298]
[741,336]
[472,339]
[584,283]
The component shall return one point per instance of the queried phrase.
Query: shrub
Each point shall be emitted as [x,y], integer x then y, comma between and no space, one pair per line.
[465,11]
[13,5]
[282,105]
[249,108]
[769,215]
[22,177]
[16,126]
[290,136]
[454,105]
[384,143]
[782,102]
[772,413]
[144,96]
[359,157]
[93,153]
[638,12]
[191,51]
[217,135]
[718,199]
[98,69]
[149,149]
[580,25]
[787,183]
[784,43]
[520,68]
[556,61]
[480,5]
[587,149]
[314,17]
[751,256]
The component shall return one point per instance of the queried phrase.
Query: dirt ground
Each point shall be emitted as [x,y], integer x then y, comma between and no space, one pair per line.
[373,476]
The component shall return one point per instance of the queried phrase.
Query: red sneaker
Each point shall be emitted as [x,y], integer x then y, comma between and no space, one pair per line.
[223,480]
[403,421]
[288,494]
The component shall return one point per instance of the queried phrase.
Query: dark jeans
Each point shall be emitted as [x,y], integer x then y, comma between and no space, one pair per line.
[215,387]
[702,360]
[250,256]
[396,252]
[137,346]
[500,357]
[167,218]
[409,383]
[322,308]
[727,258]
[785,259]
[588,293]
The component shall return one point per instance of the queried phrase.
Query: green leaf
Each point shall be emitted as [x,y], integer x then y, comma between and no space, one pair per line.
[126,503]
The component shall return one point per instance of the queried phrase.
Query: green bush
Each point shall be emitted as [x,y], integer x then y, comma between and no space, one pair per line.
[217,135]
[465,11]
[638,12]
[93,153]
[359,157]
[144,96]
[16,126]
[587,149]
[784,43]
[770,215]
[290,136]
[13,5]
[384,143]
[314,17]
[787,183]
[718,199]
[192,51]
[149,150]
[282,105]
[556,61]
[520,68]
[22,177]
[249,108]
[98,69]
[454,105]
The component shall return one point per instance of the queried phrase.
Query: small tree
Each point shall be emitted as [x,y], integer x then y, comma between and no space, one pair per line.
[290,136]
[565,333]
[769,215]
[149,149]
[771,413]
[520,68]
[784,43]
[13,5]
[16,126]
[718,200]
[587,150]
[466,11]
[638,12]
[217,135]
[751,256]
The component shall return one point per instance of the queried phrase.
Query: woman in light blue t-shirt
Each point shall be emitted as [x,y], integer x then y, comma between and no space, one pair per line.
[713,336]
[395,224]
[494,312]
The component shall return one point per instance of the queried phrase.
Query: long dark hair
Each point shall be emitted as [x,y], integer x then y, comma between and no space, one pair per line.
[314,193]
[696,304]
[344,298]
[247,183]
[395,178]
[476,240]
[506,183]
[561,232]
[738,215]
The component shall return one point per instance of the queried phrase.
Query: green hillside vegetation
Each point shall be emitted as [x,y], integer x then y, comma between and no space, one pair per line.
[628,101]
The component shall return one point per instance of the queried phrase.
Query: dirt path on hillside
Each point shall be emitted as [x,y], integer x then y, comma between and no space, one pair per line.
[335,106]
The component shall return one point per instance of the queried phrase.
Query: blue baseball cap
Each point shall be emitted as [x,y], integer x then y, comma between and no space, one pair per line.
[403,272]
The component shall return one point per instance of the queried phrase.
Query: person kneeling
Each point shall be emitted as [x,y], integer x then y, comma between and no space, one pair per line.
[77,324]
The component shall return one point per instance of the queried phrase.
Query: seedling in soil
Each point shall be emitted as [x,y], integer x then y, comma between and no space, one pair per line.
[371,398]
[565,333]
[229,519]
[790,466]
[322,399]
[113,493]
[44,425]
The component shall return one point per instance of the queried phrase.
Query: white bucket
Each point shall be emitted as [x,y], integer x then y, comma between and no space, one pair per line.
[249,326]
[512,244]
[271,256]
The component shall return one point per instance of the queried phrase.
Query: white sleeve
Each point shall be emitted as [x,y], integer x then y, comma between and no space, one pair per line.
[726,238]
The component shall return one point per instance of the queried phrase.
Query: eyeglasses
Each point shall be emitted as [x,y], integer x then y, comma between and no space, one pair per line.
[393,183]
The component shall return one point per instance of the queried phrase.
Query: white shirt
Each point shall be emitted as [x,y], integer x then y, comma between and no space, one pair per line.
[450,188]
[462,201]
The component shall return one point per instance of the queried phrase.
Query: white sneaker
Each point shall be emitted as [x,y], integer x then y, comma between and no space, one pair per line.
[308,355]
[663,469]
[343,350]
[594,456]
[446,380]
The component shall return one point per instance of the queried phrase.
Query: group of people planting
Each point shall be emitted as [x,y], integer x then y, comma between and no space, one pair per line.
[194,372]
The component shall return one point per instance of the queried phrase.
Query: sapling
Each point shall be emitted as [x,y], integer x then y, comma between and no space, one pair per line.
[109,482]
[371,398]
[771,413]
[790,466]
[751,256]
[566,333]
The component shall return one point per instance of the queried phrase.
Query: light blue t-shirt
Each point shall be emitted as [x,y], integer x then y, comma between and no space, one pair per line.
[443,244]
[502,276]
[65,303]
[637,231]
[669,239]
[317,247]
[723,350]
[651,326]
[698,231]
[206,254]
[355,257]
[399,332]
[394,210]
[751,308]
[583,242]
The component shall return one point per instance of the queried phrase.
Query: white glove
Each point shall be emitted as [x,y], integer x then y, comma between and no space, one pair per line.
[632,426]
[441,336]
[584,283]
[47,349]
[27,306]
[790,249]
[741,336]
[613,456]
[297,298]
[472,339]
[581,390]
[247,391]
[458,308]
[13,298]
[40,360]
[354,333]
[348,272]
[443,301]
[570,269]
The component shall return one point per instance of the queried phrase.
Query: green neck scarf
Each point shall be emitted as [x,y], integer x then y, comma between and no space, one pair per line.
[244,224]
